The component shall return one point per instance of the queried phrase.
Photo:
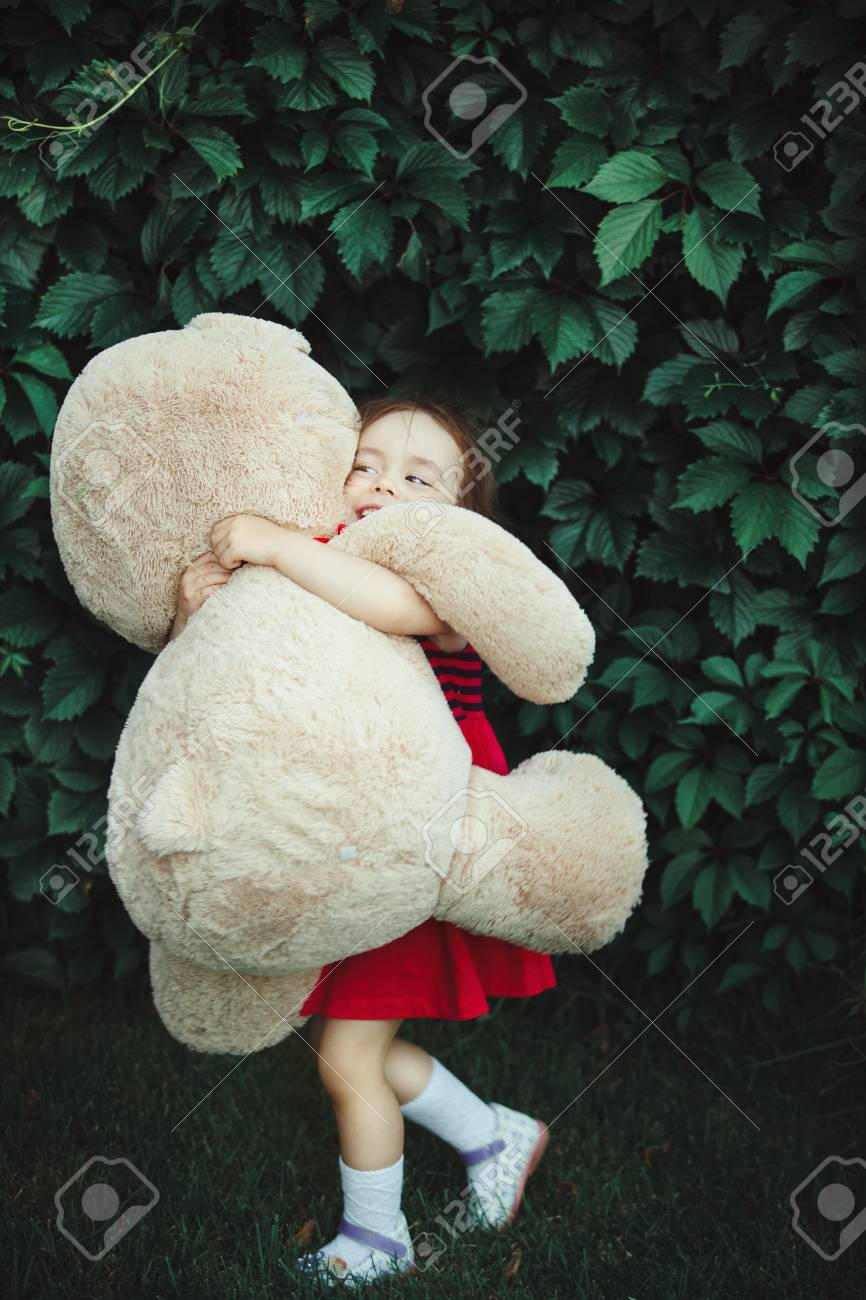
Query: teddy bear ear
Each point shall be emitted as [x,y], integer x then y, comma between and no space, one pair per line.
[229,327]
[175,819]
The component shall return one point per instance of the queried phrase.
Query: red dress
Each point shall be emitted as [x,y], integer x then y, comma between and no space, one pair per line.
[437,969]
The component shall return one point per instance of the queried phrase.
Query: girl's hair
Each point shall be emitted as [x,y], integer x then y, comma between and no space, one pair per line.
[476,473]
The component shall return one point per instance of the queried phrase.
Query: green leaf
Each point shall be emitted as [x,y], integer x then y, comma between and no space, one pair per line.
[609,538]
[781,695]
[358,146]
[323,194]
[626,237]
[46,358]
[575,161]
[627,176]
[71,685]
[712,894]
[664,382]
[585,110]
[791,288]
[563,327]
[846,555]
[431,173]
[755,514]
[694,792]
[739,973]
[507,319]
[678,878]
[218,149]
[616,332]
[40,396]
[764,782]
[731,187]
[518,140]
[713,264]
[7,784]
[731,439]
[742,38]
[309,92]
[711,482]
[667,769]
[796,528]
[68,305]
[849,365]
[28,616]
[364,234]
[842,773]
[275,49]
[724,671]
[344,64]
[538,463]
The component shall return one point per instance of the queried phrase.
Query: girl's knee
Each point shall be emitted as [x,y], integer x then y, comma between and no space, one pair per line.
[351,1051]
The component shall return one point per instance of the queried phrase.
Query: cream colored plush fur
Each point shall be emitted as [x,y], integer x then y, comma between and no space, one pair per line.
[290,786]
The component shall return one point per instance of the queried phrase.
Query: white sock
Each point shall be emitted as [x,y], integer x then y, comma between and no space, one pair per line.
[451,1110]
[371,1198]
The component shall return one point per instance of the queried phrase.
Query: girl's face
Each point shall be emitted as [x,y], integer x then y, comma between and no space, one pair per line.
[402,456]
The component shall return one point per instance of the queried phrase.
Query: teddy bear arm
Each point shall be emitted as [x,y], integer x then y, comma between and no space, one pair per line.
[487,585]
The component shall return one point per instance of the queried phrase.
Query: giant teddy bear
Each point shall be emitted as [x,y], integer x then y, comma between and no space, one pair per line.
[290,786]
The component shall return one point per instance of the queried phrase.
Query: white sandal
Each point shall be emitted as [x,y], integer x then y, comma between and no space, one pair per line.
[388,1255]
[514,1152]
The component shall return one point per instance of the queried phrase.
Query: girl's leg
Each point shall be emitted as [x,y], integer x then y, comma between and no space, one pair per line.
[436,1099]
[407,1069]
[499,1147]
[351,1063]
[407,1066]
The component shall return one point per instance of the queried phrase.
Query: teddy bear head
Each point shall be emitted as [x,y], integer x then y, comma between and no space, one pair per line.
[162,435]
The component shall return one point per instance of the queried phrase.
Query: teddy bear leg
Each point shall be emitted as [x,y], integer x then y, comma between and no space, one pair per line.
[215,1011]
[551,856]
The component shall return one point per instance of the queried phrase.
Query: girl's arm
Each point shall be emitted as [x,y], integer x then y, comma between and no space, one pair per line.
[357,586]
[365,590]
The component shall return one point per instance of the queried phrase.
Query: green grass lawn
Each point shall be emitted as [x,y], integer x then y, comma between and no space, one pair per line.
[654,1184]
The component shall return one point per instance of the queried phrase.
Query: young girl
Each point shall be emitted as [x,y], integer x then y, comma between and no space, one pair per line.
[406,451]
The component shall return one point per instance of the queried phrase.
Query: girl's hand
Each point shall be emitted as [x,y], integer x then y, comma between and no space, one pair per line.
[243,538]
[200,579]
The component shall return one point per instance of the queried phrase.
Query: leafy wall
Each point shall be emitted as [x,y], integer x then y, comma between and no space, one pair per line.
[652,269]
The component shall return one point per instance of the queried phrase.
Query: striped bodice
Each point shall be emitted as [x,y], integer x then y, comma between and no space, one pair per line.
[459,674]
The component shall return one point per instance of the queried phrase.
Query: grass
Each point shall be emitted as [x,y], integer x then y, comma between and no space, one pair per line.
[654,1184]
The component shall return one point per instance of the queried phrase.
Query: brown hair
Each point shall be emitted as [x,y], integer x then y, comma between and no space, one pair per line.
[480,494]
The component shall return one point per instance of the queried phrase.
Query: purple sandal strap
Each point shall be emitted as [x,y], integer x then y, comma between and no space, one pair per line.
[370,1238]
[481,1153]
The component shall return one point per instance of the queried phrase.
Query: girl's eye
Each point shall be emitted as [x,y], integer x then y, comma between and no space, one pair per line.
[359,467]
[420,480]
